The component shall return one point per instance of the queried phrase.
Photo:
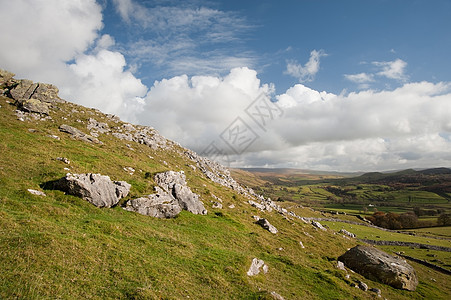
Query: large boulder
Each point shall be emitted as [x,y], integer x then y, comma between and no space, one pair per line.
[174,183]
[159,205]
[94,188]
[172,196]
[377,265]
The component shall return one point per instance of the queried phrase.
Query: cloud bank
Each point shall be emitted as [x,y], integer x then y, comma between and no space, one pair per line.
[61,42]
[368,130]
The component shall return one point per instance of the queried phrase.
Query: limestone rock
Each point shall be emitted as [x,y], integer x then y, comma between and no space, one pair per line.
[174,183]
[217,205]
[375,264]
[363,286]
[78,134]
[276,296]
[64,160]
[341,265]
[94,125]
[35,106]
[94,188]
[37,193]
[170,199]
[255,267]
[5,78]
[266,225]
[347,233]
[318,225]
[159,205]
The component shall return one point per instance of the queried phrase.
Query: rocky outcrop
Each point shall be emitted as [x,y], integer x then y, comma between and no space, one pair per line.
[96,127]
[256,264]
[174,183]
[375,264]
[78,134]
[29,96]
[159,205]
[172,196]
[94,188]
[266,225]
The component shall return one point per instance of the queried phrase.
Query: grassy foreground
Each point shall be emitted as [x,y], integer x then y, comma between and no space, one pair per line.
[61,247]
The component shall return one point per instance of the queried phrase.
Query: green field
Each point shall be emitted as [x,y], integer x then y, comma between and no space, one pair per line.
[62,247]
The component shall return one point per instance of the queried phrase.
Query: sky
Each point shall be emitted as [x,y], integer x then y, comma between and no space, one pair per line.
[352,85]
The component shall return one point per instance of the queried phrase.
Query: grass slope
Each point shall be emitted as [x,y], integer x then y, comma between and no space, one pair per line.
[61,247]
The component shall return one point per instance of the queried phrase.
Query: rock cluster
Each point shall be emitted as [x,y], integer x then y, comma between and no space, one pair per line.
[347,233]
[29,96]
[158,205]
[171,197]
[143,135]
[375,264]
[94,188]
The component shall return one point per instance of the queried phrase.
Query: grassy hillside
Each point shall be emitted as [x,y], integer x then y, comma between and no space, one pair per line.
[62,247]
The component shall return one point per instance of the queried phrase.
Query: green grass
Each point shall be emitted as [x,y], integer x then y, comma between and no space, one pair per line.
[365,232]
[62,247]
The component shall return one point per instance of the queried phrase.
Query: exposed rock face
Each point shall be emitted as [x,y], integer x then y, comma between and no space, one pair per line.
[159,205]
[174,183]
[266,225]
[95,126]
[78,134]
[375,264]
[94,188]
[30,97]
[169,200]
[255,267]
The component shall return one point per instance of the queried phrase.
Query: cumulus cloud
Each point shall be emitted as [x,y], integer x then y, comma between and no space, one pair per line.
[194,111]
[46,34]
[366,130]
[59,42]
[395,69]
[392,69]
[307,72]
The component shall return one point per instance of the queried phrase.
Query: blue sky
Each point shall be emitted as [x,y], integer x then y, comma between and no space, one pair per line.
[265,35]
[354,85]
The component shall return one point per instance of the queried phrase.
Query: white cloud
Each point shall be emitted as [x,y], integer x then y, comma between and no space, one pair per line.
[309,70]
[392,69]
[194,111]
[52,33]
[360,77]
[102,81]
[367,130]
[44,33]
